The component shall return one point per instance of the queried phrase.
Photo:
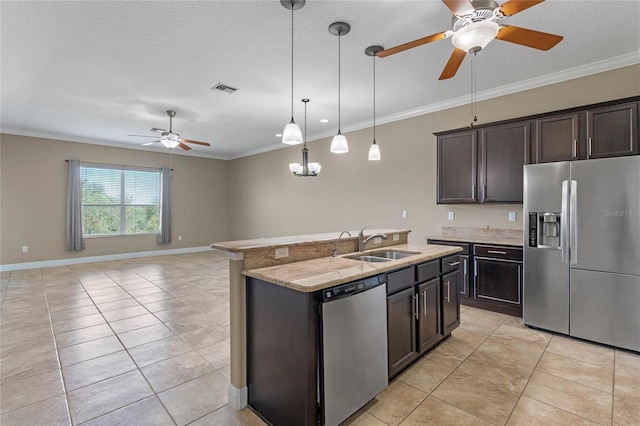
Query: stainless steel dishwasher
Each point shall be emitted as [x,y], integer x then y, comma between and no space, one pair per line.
[354,347]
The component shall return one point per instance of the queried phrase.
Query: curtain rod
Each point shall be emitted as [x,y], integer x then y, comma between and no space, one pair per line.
[123,165]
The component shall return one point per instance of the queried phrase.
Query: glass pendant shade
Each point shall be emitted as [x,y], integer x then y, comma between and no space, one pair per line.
[292,135]
[170,141]
[339,144]
[374,152]
[475,36]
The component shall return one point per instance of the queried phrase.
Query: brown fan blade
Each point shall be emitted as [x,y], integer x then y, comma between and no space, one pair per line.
[411,44]
[196,142]
[453,64]
[515,6]
[529,38]
[459,7]
[183,146]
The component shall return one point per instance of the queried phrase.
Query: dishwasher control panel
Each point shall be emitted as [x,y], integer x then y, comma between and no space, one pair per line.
[348,289]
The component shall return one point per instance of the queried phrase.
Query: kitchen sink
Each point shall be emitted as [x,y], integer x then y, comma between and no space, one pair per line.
[382,255]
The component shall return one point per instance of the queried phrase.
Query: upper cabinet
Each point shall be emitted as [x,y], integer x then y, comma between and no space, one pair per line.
[612,131]
[485,172]
[558,138]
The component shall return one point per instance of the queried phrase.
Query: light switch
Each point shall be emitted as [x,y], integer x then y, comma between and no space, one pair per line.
[512,216]
[405,214]
[396,237]
[452,216]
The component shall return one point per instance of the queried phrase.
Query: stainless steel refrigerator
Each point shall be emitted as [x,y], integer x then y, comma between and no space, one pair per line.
[582,253]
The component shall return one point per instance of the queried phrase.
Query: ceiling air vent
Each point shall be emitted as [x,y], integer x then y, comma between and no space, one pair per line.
[224,88]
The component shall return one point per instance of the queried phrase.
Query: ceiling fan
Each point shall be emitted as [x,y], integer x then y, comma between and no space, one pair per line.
[475,25]
[169,138]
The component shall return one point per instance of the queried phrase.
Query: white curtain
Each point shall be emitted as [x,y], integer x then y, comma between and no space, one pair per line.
[165,207]
[74,240]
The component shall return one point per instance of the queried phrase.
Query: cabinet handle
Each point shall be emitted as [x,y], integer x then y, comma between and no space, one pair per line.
[448,291]
[575,148]
[454,263]
[496,252]
[590,143]
[424,299]
[416,312]
[473,191]
[475,268]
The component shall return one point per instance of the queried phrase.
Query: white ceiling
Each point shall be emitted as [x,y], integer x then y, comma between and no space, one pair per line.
[96,71]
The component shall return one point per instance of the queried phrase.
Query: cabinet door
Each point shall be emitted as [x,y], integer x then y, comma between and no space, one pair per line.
[557,138]
[504,149]
[498,280]
[429,315]
[457,160]
[450,302]
[613,131]
[401,329]
[465,266]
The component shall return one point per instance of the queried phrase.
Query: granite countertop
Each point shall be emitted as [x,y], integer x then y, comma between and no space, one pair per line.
[317,274]
[262,243]
[476,239]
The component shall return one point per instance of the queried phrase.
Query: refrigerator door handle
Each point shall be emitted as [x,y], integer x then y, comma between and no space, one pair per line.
[564,220]
[573,223]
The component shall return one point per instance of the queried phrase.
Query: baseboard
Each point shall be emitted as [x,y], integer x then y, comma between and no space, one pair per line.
[104,258]
[238,397]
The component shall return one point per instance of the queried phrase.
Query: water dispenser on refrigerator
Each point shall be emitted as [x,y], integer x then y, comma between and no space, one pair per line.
[544,230]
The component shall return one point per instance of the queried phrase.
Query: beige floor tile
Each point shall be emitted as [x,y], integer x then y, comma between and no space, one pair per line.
[144,335]
[12,338]
[9,323]
[79,301]
[29,390]
[19,367]
[130,312]
[485,400]
[74,312]
[164,305]
[513,377]
[627,385]
[227,416]
[28,348]
[362,418]
[583,351]
[159,350]
[578,371]
[425,375]
[69,338]
[108,395]
[570,396]
[503,350]
[52,411]
[433,411]
[114,296]
[145,291]
[76,323]
[154,297]
[482,320]
[531,412]
[627,362]
[148,411]
[196,398]
[626,411]
[395,403]
[177,370]
[449,354]
[88,350]
[116,305]
[206,336]
[467,338]
[96,369]
[217,354]
[133,323]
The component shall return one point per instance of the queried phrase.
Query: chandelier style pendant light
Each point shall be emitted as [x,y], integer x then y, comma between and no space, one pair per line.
[305,169]
[374,149]
[291,135]
[339,142]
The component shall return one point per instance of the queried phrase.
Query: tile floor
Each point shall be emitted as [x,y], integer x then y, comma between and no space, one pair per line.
[146,341]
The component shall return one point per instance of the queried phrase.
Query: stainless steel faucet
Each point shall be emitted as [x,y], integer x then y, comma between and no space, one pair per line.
[335,247]
[362,241]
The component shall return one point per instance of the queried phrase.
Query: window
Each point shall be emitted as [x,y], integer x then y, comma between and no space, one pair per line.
[120,200]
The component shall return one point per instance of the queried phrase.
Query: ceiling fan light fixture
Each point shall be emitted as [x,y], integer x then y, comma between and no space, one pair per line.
[170,140]
[292,135]
[475,36]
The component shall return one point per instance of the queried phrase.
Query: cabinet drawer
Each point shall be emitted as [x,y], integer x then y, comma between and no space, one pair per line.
[426,271]
[466,248]
[498,252]
[450,263]
[400,279]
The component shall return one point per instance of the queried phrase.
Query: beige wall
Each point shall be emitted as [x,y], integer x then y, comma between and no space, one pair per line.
[266,200]
[34,190]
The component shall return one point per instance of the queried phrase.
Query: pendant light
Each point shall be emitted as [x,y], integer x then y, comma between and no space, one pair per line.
[291,135]
[339,142]
[374,149]
[305,169]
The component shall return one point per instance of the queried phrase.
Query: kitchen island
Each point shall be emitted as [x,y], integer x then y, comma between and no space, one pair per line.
[303,264]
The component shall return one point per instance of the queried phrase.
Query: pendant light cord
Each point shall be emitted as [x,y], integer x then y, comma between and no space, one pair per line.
[292,3]
[339,37]
[374,98]
[473,89]
[305,123]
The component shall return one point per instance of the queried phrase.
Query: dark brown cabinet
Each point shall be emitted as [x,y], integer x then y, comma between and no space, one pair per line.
[466,289]
[450,302]
[498,277]
[612,131]
[485,172]
[429,324]
[457,163]
[401,330]
[558,138]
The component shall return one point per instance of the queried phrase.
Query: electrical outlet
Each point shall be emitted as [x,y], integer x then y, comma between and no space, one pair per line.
[282,252]
[377,240]
[396,237]
[512,216]
[452,216]
[405,214]
[179,237]
[25,249]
